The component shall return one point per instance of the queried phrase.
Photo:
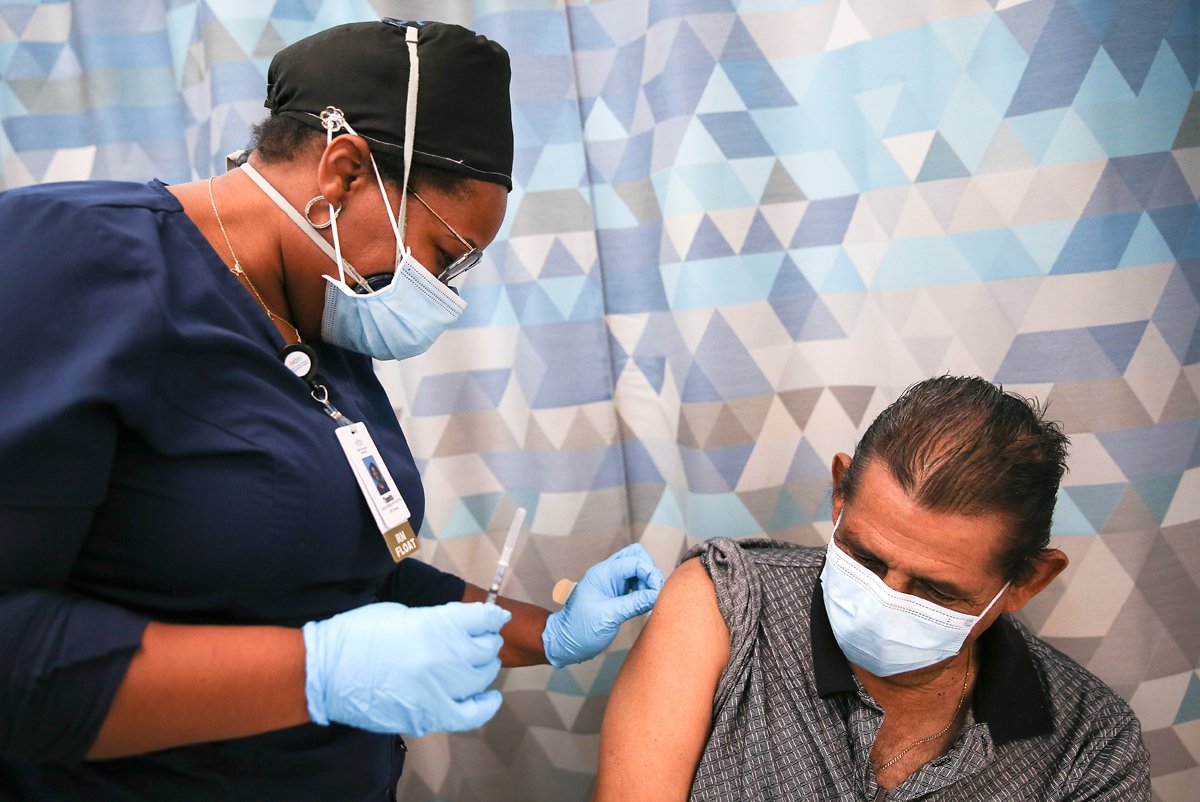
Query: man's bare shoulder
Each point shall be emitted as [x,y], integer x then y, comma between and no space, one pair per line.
[686,614]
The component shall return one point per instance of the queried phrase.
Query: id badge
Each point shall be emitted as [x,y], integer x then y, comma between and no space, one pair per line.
[379,489]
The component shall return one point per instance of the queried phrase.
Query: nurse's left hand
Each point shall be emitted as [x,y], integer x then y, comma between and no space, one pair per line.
[610,593]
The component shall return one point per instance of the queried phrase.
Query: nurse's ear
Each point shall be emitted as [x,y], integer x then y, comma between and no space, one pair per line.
[345,165]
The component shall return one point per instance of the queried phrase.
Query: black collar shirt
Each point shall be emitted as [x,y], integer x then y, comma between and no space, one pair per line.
[790,721]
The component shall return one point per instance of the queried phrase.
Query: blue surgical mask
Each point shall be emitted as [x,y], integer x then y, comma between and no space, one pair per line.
[397,322]
[883,630]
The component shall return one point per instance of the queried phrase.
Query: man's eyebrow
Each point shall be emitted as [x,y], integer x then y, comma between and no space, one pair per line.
[941,585]
[847,536]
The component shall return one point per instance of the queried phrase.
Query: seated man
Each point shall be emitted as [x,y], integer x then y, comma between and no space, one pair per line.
[886,666]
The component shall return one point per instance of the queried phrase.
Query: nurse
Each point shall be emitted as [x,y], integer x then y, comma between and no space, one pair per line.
[205,591]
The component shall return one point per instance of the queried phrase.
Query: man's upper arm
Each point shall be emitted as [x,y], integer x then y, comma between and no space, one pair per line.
[660,712]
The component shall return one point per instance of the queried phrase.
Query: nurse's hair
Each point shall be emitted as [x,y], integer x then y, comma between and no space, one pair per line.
[280,138]
[963,445]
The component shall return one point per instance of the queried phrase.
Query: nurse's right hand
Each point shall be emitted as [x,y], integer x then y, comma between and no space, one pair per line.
[405,670]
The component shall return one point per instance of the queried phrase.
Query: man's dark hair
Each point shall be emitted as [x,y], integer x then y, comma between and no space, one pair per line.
[963,445]
[279,138]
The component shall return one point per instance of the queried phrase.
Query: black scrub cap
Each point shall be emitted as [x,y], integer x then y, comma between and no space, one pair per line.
[464,120]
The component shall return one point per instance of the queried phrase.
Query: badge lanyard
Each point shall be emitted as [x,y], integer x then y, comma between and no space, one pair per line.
[374,480]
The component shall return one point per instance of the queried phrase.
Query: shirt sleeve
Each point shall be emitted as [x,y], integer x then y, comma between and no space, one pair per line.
[419,584]
[62,655]
[739,599]
[81,323]
[1118,769]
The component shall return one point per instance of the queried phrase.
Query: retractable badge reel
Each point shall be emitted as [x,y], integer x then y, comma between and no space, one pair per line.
[375,482]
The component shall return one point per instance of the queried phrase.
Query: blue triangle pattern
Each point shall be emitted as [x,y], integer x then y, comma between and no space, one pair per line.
[559,262]
[730,461]
[1180,228]
[33,60]
[1141,173]
[824,222]
[1058,64]
[677,90]
[292,9]
[1068,519]
[532,305]
[720,515]
[492,382]
[17,15]
[1133,41]
[1119,341]
[729,367]
[568,352]
[740,46]
[761,237]
[1178,312]
[1066,355]
[1186,47]
[806,464]
[942,162]
[622,85]
[1096,244]
[1189,707]
[708,242]
[1152,451]
[1096,502]
[1158,492]
[787,513]
[636,160]
[639,465]
[585,31]
[697,387]
[669,9]
[654,368]
[758,84]
[736,134]
[1099,17]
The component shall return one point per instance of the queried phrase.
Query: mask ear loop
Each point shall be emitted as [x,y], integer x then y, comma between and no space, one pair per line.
[332,120]
[995,599]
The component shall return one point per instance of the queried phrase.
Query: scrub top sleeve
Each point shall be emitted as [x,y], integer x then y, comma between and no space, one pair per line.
[62,655]
[417,584]
[82,323]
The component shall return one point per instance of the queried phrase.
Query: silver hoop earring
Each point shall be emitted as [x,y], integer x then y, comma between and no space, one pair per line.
[327,223]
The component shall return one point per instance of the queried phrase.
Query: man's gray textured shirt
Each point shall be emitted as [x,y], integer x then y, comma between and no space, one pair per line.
[791,722]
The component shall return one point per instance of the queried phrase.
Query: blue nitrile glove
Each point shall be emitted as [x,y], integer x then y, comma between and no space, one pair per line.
[407,670]
[610,593]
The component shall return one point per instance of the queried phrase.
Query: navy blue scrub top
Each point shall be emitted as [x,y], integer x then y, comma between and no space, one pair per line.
[158,462]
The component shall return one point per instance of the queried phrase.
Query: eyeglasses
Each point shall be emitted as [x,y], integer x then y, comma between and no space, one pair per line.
[463,263]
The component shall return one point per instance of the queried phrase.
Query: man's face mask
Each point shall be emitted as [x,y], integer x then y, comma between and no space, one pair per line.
[883,630]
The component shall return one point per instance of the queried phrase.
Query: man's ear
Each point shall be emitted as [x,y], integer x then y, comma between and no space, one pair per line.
[1043,568]
[344,161]
[841,463]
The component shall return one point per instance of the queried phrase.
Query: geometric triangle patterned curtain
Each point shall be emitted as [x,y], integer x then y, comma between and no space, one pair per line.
[738,230]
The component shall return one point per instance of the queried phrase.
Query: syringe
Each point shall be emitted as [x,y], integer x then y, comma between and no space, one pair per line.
[505,554]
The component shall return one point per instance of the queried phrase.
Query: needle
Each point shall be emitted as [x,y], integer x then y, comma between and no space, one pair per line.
[505,555]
